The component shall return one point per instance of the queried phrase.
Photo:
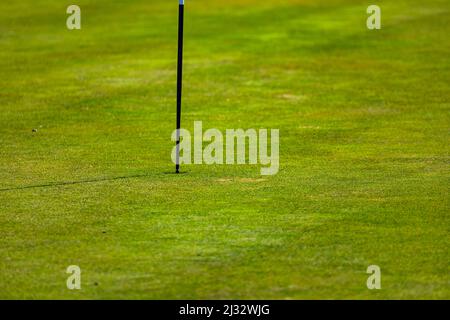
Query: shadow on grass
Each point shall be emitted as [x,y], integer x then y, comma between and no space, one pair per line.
[67,183]
[176,174]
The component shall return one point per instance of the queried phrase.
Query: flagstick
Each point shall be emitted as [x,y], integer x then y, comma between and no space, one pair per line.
[179,80]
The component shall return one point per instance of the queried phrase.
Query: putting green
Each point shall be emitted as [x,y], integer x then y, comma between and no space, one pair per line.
[364,150]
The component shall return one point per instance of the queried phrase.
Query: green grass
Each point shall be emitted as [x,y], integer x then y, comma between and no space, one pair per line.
[364,150]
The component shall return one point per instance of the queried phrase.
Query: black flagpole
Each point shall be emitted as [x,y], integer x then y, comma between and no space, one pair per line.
[179,80]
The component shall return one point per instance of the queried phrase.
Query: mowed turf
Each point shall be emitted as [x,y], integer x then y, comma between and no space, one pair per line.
[364,150]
